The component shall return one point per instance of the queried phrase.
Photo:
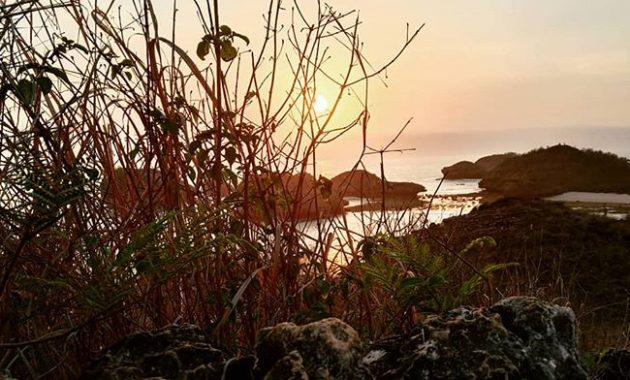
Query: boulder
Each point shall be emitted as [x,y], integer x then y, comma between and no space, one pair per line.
[517,338]
[176,352]
[327,349]
[463,170]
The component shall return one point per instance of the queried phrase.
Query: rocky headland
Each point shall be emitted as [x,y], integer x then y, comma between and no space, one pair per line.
[559,169]
[363,184]
[546,172]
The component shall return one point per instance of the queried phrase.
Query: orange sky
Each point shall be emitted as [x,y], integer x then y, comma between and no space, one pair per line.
[484,64]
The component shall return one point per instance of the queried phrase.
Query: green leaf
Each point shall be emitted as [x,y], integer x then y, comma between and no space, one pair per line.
[231,154]
[45,84]
[324,286]
[411,283]
[49,69]
[203,48]
[202,155]
[230,176]
[226,30]
[228,52]
[482,242]
[488,269]
[169,126]
[134,152]
[115,71]
[127,63]
[242,37]
[26,91]
[81,48]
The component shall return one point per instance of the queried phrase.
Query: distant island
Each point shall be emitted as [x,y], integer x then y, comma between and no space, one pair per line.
[368,186]
[546,172]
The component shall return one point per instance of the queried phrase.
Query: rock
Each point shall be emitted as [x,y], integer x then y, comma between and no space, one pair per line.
[239,368]
[363,184]
[463,170]
[176,352]
[290,367]
[327,349]
[517,338]
[612,365]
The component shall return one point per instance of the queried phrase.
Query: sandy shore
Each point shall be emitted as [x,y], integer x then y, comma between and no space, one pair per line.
[606,198]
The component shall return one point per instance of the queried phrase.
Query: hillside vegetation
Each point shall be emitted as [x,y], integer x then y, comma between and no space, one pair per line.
[559,169]
[560,252]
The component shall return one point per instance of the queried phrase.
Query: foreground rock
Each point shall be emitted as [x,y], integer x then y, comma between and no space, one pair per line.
[328,349]
[518,338]
[176,352]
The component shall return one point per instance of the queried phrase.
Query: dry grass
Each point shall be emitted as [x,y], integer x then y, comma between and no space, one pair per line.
[124,165]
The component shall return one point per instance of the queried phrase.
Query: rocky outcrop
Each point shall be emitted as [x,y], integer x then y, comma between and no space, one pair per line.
[518,338]
[176,352]
[558,169]
[463,170]
[327,349]
[363,184]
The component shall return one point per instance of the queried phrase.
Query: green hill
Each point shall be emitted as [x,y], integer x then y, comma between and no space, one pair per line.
[558,169]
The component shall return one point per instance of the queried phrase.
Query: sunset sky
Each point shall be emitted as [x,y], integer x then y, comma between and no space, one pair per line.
[482,65]
[486,64]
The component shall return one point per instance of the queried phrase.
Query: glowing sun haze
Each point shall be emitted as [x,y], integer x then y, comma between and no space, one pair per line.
[321,104]
[484,64]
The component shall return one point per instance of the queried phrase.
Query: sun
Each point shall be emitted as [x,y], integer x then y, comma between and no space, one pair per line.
[321,104]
